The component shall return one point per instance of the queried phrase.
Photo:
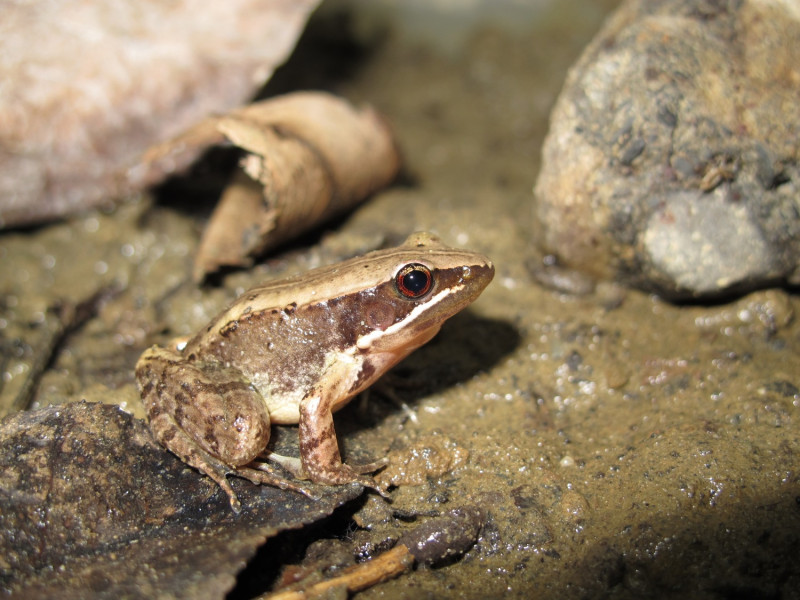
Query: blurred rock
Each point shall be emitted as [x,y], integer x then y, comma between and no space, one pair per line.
[672,158]
[86,87]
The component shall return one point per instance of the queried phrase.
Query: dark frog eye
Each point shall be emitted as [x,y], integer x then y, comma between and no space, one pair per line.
[414,280]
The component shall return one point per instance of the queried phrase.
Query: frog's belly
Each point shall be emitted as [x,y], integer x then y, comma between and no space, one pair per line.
[284,409]
[337,380]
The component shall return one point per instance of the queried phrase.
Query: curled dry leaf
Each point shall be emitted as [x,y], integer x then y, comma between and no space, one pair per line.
[314,156]
[310,156]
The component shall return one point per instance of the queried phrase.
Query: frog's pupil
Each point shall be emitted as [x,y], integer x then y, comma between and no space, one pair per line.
[414,280]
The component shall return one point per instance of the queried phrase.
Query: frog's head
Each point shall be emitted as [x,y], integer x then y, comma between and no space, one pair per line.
[417,287]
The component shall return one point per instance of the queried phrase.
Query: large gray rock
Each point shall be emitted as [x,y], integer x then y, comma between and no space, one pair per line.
[672,157]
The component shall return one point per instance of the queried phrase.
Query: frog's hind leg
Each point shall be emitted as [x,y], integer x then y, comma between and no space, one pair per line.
[207,416]
[170,435]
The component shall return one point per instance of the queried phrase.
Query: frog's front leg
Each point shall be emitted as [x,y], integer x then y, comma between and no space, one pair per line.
[319,448]
[206,415]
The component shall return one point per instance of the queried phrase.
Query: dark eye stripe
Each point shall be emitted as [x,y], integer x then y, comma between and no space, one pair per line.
[414,280]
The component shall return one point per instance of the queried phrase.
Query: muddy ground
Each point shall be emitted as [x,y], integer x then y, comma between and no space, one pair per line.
[618,445]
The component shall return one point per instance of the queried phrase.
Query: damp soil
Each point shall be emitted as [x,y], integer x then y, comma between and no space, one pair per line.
[618,445]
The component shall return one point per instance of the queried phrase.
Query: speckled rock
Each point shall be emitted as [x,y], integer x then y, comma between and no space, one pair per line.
[672,158]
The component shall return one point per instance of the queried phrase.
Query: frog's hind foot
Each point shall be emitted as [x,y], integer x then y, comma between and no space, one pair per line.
[170,435]
[261,474]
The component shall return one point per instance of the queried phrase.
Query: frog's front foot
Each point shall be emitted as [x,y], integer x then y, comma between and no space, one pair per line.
[341,474]
[371,468]
[336,474]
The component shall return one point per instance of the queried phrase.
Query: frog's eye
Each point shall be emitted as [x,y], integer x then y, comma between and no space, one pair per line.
[414,280]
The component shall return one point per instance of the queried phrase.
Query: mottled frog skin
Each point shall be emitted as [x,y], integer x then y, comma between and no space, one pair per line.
[295,351]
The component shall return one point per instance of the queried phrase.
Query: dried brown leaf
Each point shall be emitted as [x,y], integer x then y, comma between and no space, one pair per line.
[314,155]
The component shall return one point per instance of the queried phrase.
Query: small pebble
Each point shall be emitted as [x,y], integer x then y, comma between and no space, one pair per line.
[440,539]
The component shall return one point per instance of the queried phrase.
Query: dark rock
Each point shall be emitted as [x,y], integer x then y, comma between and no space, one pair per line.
[91,505]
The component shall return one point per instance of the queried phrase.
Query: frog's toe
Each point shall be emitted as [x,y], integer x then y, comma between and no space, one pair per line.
[258,475]
[236,506]
[370,467]
[290,463]
[219,476]
[343,474]
[374,485]
[218,472]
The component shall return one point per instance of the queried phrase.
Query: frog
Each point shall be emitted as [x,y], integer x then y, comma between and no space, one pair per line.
[293,352]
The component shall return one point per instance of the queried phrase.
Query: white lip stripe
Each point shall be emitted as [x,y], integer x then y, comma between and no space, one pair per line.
[365,341]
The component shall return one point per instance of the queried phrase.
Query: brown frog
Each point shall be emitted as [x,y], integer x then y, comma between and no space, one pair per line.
[295,351]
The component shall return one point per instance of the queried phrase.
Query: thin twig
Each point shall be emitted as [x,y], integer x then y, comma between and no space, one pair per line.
[388,565]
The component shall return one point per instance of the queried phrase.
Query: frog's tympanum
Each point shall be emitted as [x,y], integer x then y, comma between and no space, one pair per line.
[296,350]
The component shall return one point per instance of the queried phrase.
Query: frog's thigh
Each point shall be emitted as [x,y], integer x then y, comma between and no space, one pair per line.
[211,408]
